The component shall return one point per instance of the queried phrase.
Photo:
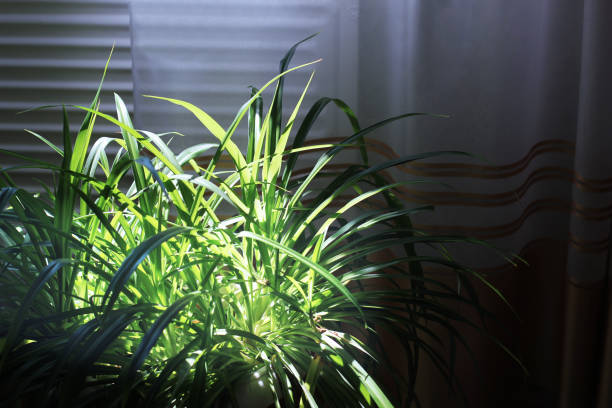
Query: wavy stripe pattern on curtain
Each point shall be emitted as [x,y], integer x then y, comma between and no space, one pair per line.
[527,87]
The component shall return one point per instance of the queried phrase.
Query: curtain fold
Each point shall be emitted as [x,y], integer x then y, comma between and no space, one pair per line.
[527,84]
[585,381]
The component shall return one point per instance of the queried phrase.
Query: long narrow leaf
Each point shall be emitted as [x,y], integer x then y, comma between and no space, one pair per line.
[134,259]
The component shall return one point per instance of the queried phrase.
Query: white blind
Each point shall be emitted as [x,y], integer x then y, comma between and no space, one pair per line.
[208,53]
[53,52]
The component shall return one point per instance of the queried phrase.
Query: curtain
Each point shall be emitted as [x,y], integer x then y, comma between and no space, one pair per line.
[527,85]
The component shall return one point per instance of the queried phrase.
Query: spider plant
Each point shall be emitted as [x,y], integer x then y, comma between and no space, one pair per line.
[155,278]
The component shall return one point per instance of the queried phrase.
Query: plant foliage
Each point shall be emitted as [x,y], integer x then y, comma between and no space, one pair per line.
[156,279]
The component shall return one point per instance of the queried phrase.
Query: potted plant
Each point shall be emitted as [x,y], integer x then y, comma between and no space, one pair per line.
[148,296]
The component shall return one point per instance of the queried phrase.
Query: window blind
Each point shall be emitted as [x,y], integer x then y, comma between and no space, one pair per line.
[208,53]
[53,52]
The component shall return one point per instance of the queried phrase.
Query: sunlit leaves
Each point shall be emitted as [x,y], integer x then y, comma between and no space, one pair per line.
[157,278]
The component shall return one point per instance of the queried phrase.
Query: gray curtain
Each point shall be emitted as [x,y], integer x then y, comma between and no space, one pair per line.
[527,84]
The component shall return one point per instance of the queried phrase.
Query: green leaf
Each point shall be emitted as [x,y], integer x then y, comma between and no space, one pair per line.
[82,141]
[254,119]
[327,156]
[314,266]
[6,193]
[163,147]
[45,274]
[194,151]
[134,259]
[366,380]
[152,335]
[146,162]
[307,123]
[277,107]
[47,142]
[87,355]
